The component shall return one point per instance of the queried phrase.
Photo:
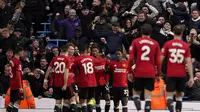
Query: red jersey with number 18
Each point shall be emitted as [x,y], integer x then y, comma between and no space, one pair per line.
[146,52]
[84,66]
[176,51]
[59,65]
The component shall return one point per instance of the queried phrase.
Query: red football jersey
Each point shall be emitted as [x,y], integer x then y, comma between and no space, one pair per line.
[84,66]
[119,71]
[100,70]
[15,74]
[59,65]
[71,70]
[146,53]
[176,51]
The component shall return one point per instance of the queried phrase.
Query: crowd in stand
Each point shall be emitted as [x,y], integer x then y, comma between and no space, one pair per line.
[112,24]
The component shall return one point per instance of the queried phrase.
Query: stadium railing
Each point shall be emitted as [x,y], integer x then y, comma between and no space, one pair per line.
[56,42]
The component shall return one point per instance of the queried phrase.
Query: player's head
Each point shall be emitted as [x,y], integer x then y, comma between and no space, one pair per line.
[70,48]
[119,54]
[19,51]
[64,48]
[146,30]
[83,48]
[95,50]
[178,30]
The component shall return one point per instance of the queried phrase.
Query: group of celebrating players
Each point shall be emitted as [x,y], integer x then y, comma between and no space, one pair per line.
[76,81]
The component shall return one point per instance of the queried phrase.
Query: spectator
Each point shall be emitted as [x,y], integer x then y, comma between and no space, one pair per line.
[194,43]
[20,40]
[86,18]
[58,31]
[141,19]
[36,82]
[5,59]
[177,13]
[4,81]
[33,12]
[6,41]
[5,14]
[79,37]
[194,91]
[43,64]
[35,53]
[70,24]
[55,51]
[114,39]
[127,30]
[97,7]
[164,34]
[195,21]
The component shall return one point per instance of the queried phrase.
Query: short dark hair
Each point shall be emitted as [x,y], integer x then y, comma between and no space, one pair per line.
[18,49]
[64,48]
[83,47]
[178,30]
[43,58]
[95,45]
[120,50]
[146,29]
[195,10]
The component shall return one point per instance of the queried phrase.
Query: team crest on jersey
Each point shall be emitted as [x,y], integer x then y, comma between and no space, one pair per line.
[123,65]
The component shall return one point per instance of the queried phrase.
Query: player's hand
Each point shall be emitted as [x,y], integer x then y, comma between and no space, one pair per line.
[71,74]
[190,82]
[21,90]
[50,90]
[64,87]
[130,77]
[45,84]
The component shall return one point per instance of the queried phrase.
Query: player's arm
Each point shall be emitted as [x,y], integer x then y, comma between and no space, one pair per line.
[51,80]
[47,74]
[130,61]
[19,77]
[107,76]
[66,74]
[189,67]
[164,53]
[188,61]
[45,84]
[131,57]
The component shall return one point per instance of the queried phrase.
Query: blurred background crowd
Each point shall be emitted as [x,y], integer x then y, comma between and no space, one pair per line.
[42,26]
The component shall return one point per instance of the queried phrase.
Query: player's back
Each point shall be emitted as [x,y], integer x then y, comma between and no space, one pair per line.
[59,65]
[15,65]
[85,66]
[176,51]
[146,52]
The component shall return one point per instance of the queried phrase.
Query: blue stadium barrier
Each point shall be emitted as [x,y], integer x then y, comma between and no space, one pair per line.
[47,26]
[56,42]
